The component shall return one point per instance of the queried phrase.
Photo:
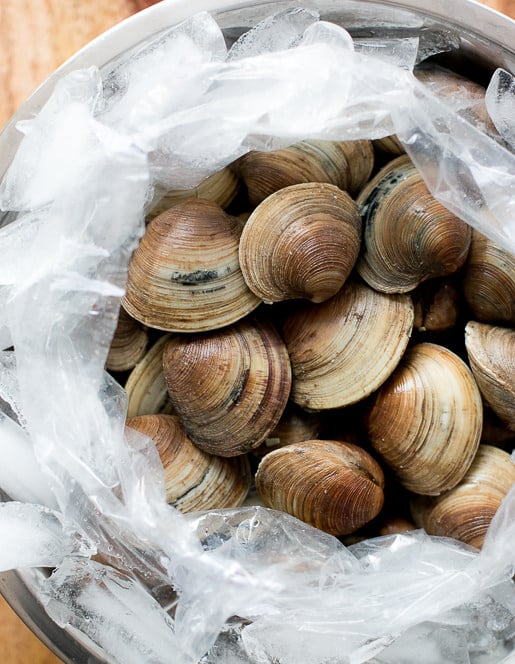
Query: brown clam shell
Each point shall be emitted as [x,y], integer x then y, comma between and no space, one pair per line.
[128,345]
[221,188]
[426,420]
[408,236]
[295,426]
[489,281]
[389,144]
[334,486]
[394,525]
[301,242]
[465,96]
[347,165]
[146,387]
[466,511]
[194,480]
[344,349]
[230,387]
[437,306]
[491,352]
[185,274]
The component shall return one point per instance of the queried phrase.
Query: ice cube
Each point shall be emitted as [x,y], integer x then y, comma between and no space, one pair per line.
[288,643]
[404,46]
[35,536]
[56,145]
[327,33]
[401,52]
[112,612]
[433,42]
[228,648]
[9,386]
[166,74]
[262,537]
[500,103]
[277,32]
[18,248]
[21,476]
[427,643]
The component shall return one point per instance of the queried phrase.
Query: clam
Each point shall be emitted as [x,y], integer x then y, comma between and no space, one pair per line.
[466,511]
[230,387]
[345,348]
[345,164]
[146,387]
[495,432]
[389,144]
[194,480]
[300,242]
[426,420]
[408,236]
[295,426]
[334,486]
[394,525]
[489,281]
[221,188]
[466,97]
[185,274]
[491,352]
[437,306]
[128,345]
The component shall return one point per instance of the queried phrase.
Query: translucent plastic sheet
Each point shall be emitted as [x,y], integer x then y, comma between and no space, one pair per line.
[105,145]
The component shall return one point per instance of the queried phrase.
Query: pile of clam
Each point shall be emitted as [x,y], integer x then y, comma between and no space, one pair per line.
[312,327]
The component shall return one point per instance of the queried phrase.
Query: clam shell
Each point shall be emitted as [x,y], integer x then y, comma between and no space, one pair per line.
[185,274]
[408,236]
[295,426]
[465,96]
[128,345]
[489,281]
[230,387]
[389,144]
[491,352]
[301,242]
[146,387]
[466,511]
[437,306]
[426,420]
[344,349]
[194,480]
[394,525]
[345,164]
[221,188]
[495,432]
[334,486]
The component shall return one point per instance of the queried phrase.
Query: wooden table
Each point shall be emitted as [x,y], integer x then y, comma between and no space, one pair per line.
[36,37]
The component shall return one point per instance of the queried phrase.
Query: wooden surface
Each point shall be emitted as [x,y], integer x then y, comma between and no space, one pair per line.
[36,37]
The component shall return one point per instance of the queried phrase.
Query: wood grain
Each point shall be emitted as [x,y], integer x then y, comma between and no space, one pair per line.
[36,37]
[504,6]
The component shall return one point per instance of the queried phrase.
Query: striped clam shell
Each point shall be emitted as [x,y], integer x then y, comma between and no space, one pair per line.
[408,235]
[230,387]
[301,242]
[194,480]
[332,485]
[426,420]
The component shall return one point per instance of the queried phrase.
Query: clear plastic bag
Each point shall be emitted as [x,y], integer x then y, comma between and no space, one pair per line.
[248,584]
